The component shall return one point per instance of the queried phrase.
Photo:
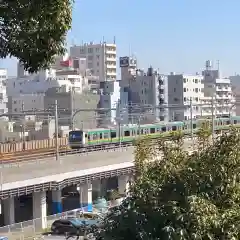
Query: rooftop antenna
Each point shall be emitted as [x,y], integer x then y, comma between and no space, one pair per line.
[218,65]
[129,50]
[114,40]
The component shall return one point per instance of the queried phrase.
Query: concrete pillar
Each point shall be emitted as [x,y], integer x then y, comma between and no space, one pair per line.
[8,211]
[96,189]
[86,197]
[40,210]
[123,184]
[104,187]
[57,201]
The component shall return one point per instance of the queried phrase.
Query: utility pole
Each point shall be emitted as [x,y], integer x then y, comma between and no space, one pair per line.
[56,130]
[23,128]
[213,111]
[72,110]
[191,119]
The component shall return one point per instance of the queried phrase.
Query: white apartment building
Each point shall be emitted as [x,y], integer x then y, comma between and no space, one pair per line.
[112,97]
[218,94]
[101,58]
[3,91]
[29,91]
[183,91]
[218,99]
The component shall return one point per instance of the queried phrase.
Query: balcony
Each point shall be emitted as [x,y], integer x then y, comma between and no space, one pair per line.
[111,59]
[224,96]
[111,66]
[223,89]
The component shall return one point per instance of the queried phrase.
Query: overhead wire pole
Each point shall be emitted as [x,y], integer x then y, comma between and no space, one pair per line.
[213,111]
[191,119]
[23,128]
[56,130]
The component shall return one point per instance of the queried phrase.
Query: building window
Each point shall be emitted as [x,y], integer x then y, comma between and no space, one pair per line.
[90,58]
[196,89]
[184,80]
[82,50]
[97,64]
[90,50]
[174,90]
[184,90]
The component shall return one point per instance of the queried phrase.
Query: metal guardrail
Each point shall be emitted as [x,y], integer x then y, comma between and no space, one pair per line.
[60,185]
[32,229]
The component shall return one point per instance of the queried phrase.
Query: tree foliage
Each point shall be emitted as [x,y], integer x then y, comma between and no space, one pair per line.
[181,196]
[34,31]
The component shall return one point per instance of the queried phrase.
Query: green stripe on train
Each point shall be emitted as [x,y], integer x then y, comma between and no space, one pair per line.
[153,135]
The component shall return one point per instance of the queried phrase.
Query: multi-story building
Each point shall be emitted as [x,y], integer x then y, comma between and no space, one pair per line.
[146,91]
[235,83]
[101,58]
[113,98]
[184,91]
[218,96]
[3,91]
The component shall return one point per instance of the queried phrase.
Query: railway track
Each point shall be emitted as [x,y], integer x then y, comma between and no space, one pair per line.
[52,153]
[45,153]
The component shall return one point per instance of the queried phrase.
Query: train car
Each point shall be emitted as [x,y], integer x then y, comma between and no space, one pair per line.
[127,133]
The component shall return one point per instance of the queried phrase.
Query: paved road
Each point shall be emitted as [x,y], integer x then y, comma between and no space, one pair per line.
[49,166]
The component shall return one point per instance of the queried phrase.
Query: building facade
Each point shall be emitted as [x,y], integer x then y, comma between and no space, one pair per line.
[218,95]
[184,96]
[146,92]
[101,58]
[114,99]
[3,91]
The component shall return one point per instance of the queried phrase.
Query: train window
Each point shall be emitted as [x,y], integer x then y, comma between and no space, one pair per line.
[228,122]
[138,132]
[86,135]
[174,128]
[158,129]
[100,135]
[105,135]
[152,130]
[235,122]
[113,134]
[164,129]
[89,137]
[126,133]
[142,131]
[194,125]
[95,136]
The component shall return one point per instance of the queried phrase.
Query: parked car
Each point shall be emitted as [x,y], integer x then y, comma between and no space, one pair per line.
[72,225]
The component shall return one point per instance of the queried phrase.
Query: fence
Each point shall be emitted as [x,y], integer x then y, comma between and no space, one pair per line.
[32,229]
[31,145]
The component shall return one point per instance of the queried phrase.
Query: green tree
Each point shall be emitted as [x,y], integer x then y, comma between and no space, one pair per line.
[181,196]
[34,31]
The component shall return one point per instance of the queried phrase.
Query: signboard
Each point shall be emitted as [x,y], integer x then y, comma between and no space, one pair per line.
[124,61]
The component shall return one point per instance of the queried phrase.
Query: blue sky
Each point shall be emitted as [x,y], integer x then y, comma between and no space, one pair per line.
[172,35]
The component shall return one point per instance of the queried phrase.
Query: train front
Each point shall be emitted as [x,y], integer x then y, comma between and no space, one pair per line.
[75,139]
